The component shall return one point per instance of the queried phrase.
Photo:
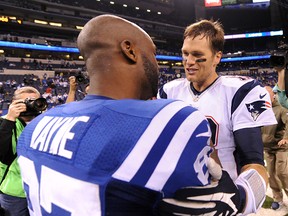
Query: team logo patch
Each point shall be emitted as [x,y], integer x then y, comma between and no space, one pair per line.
[257,107]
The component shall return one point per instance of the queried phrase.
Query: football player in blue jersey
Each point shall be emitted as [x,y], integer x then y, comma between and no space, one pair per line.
[116,152]
[236,108]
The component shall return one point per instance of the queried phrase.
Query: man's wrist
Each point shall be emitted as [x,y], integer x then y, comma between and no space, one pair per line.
[10,118]
[254,185]
[277,88]
[243,195]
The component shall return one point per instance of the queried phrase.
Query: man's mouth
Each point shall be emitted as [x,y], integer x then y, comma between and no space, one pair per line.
[191,70]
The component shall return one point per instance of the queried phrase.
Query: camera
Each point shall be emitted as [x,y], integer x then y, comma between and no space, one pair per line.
[34,106]
[82,78]
[279,57]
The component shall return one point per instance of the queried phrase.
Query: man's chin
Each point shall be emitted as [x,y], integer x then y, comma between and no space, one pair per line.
[191,78]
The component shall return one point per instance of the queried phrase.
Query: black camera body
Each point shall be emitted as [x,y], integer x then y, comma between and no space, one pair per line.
[279,58]
[82,78]
[34,107]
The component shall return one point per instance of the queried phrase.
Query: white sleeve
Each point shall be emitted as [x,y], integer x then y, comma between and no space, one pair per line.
[255,110]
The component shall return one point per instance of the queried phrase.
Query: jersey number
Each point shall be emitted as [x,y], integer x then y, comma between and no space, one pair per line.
[69,194]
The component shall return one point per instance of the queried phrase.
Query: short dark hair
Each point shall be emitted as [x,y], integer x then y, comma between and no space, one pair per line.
[210,29]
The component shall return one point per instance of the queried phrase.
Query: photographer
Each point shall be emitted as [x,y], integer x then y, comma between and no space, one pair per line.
[22,110]
[279,61]
[280,87]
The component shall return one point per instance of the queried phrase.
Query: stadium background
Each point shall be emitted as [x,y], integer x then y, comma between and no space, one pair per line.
[38,38]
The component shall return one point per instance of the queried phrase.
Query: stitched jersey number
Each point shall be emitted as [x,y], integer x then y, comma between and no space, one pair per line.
[200,162]
[56,189]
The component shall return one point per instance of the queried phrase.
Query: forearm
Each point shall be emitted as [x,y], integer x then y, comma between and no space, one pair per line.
[72,89]
[71,96]
[281,79]
[249,146]
[282,98]
[253,177]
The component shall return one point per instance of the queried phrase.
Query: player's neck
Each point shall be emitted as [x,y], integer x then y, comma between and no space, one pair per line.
[202,86]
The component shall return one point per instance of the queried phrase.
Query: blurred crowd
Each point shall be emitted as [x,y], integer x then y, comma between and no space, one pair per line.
[55,89]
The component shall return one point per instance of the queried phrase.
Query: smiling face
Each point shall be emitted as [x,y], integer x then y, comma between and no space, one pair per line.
[202,73]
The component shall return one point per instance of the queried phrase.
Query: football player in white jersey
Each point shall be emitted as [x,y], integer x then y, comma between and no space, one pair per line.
[236,107]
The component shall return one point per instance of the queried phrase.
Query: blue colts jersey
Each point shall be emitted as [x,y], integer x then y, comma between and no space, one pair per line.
[86,157]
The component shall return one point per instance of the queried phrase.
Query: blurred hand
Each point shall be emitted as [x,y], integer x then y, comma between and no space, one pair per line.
[280,70]
[15,109]
[282,142]
[73,83]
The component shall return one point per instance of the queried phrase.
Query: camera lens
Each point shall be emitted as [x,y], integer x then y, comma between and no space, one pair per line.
[80,78]
[40,104]
[34,107]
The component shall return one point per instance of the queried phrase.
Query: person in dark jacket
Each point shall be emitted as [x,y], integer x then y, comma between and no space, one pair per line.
[275,140]
[20,113]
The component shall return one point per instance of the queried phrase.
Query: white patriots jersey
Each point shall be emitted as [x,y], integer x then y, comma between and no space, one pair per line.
[230,103]
[69,155]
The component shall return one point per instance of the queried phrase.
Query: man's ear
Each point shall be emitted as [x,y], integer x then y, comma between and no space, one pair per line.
[217,58]
[128,49]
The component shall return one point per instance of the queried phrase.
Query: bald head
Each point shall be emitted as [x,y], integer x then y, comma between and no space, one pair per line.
[105,31]
[117,52]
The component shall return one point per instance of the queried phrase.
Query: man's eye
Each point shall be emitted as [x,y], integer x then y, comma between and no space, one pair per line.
[197,55]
